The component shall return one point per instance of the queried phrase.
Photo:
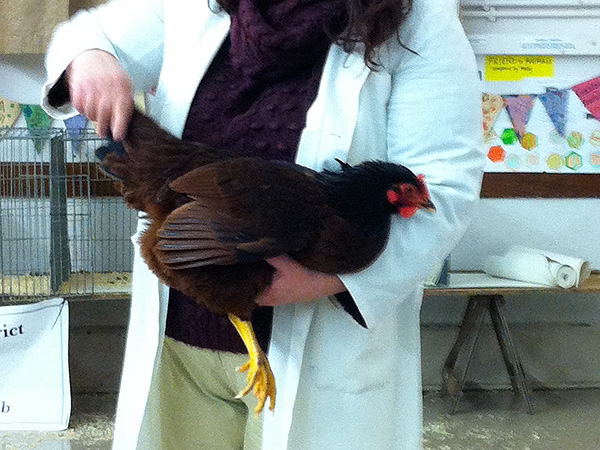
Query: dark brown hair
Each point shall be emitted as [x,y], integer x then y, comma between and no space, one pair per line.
[370,22]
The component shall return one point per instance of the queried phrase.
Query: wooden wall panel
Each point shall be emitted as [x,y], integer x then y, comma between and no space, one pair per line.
[540,185]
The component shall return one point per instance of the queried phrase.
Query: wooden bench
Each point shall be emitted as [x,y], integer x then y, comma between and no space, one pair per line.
[487,293]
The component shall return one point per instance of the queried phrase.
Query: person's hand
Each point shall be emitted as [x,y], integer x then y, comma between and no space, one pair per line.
[101,90]
[294,283]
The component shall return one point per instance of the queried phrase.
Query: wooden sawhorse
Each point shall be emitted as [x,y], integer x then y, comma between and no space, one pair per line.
[486,294]
[455,368]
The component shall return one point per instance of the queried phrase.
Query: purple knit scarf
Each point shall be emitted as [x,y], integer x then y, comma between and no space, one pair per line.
[270,40]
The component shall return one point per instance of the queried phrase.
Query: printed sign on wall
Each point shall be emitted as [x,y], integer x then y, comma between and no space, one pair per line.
[540,114]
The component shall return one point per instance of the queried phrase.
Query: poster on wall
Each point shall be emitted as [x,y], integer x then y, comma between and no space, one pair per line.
[541,113]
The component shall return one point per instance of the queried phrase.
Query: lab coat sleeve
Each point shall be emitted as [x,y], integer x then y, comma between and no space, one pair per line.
[434,127]
[130,30]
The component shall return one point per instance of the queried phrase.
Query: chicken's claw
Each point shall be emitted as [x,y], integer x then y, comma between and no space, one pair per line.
[259,374]
[261,380]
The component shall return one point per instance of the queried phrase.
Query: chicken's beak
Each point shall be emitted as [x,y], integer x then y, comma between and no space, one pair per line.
[428,205]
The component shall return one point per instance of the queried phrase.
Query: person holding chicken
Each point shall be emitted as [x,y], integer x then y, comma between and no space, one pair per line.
[309,81]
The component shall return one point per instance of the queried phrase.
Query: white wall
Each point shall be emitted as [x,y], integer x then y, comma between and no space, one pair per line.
[568,226]
[22,77]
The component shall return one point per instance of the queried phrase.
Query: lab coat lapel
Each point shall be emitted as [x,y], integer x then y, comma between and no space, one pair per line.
[184,66]
[331,120]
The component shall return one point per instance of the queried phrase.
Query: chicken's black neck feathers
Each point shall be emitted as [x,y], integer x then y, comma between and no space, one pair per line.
[360,191]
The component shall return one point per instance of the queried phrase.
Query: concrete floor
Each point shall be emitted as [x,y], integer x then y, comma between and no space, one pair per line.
[486,420]
[496,420]
[91,428]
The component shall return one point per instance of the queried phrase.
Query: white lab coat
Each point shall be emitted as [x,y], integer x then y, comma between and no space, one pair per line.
[339,386]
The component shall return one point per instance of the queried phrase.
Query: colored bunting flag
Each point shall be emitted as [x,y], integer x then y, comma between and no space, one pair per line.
[36,119]
[492,105]
[519,110]
[555,101]
[75,125]
[589,93]
[139,100]
[9,112]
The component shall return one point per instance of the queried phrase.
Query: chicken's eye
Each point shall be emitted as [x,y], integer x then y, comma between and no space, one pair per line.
[408,189]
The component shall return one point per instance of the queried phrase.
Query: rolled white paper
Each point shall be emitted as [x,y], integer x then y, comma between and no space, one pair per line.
[522,267]
[581,267]
[538,266]
[565,276]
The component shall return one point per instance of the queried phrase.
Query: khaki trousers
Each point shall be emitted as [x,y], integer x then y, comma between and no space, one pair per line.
[192,404]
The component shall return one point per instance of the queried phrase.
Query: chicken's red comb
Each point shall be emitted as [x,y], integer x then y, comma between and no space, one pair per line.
[421,179]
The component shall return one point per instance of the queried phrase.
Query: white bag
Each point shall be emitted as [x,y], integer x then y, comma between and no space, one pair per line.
[35,392]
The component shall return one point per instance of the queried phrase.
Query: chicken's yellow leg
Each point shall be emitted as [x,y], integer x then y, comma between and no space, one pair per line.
[260,376]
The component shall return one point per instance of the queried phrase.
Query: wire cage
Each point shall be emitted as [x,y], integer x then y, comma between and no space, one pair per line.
[64,230]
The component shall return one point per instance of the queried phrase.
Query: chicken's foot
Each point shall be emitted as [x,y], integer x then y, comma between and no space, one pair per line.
[260,376]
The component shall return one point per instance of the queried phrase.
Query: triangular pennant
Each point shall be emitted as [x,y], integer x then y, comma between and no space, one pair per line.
[139,101]
[75,125]
[9,112]
[589,93]
[37,120]
[492,105]
[519,109]
[555,101]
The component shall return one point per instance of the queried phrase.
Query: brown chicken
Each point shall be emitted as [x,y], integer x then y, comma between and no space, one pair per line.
[214,219]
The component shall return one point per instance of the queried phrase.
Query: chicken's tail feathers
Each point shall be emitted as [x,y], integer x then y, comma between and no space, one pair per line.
[143,130]
[110,148]
[345,300]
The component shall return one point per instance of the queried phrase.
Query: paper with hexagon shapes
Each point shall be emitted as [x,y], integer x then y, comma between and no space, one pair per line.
[529,141]
[555,161]
[509,136]
[533,160]
[496,154]
[574,161]
[575,140]
[513,162]
[594,138]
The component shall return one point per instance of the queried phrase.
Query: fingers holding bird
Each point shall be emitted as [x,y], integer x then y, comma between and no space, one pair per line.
[293,283]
